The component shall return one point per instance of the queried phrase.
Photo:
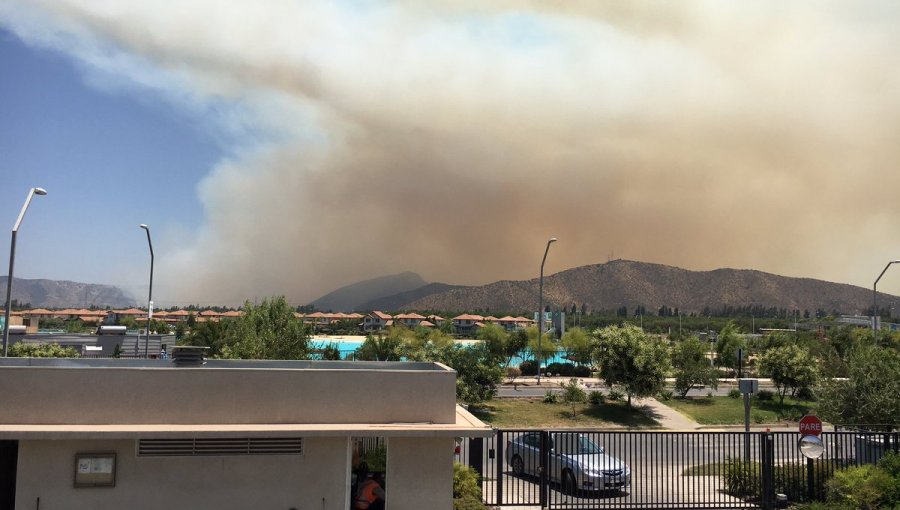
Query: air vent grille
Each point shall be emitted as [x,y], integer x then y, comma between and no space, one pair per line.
[220,446]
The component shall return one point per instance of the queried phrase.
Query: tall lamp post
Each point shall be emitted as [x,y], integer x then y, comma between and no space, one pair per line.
[874,300]
[12,262]
[541,309]
[150,297]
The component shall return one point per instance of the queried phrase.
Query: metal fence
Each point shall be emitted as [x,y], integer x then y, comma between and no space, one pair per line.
[580,469]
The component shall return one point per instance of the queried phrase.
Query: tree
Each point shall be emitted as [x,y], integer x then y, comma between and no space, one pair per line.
[871,392]
[548,346]
[210,334]
[268,330]
[727,345]
[578,345]
[573,394]
[692,366]
[379,347]
[628,357]
[515,344]
[790,367]
[494,338]
[477,375]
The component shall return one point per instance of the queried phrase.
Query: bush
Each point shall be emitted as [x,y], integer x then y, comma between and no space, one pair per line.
[583,371]
[528,368]
[864,487]
[550,397]
[466,482]
[513,372]
[742,479]
[665,395]
[595,398]
[734,393]
[615,394]
[806,393]
[376,459]
[890,463]
[468,503]
[564,369]
[765,395]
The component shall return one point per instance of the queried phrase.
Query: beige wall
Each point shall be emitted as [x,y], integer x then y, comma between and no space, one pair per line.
[419,473]
[82,396]
[318,479]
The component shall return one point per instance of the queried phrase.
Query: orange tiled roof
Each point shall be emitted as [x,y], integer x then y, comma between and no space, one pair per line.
[468,317]
[210,313]
[233,313]
[381,315]
[179,313]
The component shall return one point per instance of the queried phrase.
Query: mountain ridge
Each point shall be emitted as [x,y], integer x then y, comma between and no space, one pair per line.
[44,293]
[617,283]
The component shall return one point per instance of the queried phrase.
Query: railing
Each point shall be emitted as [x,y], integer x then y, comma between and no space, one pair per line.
[661,469]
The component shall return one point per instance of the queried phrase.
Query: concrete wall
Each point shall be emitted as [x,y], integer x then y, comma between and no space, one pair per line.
[419,473]
[318,479]
[93,395]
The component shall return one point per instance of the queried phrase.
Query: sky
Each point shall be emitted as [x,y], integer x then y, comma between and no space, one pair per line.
[289,148]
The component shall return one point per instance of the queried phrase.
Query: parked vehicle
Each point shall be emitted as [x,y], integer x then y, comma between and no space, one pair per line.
[575,462]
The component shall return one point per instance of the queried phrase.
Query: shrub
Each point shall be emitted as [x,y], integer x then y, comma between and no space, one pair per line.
[595,398]
[765,395]
[890,463]
[864,487]
[468,503]
[734,393]
[562,369]
[583,371]
[513,372]
[758,417]
[466,482]
[742,479]
[550,397]
[615,394]
[376,459]
[528,368]
[806,393]
[665,395]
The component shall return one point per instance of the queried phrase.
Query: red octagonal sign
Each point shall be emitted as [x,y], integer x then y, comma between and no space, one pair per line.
[810,425]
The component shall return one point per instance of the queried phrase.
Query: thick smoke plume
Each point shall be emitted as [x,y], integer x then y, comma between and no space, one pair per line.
[454,138]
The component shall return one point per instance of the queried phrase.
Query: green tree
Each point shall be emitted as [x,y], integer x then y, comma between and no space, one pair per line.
[871,393]
[548,346]
[515,345]
[727,345]
[379,347]
[23,350]
[573,394]
[629,358]
[692,366]
[212,334]
[268,330]
[578,345]
[494,338]
[477,375]
[790,367]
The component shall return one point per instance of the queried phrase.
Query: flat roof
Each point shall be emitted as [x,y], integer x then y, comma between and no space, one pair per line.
[231,364]
[465,425]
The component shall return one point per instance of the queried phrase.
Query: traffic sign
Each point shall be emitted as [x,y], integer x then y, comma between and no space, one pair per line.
[810,425]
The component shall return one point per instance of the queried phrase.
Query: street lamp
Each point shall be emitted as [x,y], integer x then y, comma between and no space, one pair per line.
[150,297]
[12,261]
[874,300]
[541,309]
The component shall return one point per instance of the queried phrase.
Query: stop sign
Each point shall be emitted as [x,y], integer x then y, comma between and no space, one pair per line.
[810,425]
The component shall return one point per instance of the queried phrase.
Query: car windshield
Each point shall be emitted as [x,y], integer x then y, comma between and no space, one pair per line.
[576,445]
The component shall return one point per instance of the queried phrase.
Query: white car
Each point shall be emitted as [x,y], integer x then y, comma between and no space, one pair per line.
[576,462]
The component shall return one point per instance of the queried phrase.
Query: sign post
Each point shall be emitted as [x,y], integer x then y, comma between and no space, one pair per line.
[811,446]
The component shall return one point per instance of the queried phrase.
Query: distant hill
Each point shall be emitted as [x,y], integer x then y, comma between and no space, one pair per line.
[354,297]
[65,294]
[627,283]
[399,301]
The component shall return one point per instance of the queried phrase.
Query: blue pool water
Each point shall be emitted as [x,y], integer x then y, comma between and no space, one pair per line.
[347,346]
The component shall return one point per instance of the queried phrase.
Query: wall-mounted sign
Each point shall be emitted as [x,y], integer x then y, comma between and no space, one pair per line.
[95,469]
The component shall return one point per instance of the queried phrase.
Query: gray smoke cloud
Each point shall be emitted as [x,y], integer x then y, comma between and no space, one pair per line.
[454,138]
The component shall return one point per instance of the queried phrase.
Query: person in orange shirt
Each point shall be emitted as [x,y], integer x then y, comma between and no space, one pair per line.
[369,495]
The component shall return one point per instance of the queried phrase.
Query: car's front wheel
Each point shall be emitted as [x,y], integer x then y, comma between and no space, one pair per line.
[568,483]
[518,467]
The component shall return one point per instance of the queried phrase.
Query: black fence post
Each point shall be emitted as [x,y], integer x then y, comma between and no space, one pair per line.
[542,469]
[476,455]
[811,480]
[767,470]
[499,460]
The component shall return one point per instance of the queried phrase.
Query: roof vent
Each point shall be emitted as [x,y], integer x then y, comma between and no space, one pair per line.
[189,355]
[111,330]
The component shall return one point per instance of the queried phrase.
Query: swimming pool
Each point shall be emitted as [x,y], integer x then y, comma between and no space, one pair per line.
[348,344]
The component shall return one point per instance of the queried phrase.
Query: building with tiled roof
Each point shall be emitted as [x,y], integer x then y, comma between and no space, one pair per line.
[376,321]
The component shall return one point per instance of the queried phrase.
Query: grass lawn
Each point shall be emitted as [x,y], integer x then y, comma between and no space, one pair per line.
[526,413]
[730,411]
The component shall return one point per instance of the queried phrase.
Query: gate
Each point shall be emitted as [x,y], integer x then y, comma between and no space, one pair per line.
[581,469]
